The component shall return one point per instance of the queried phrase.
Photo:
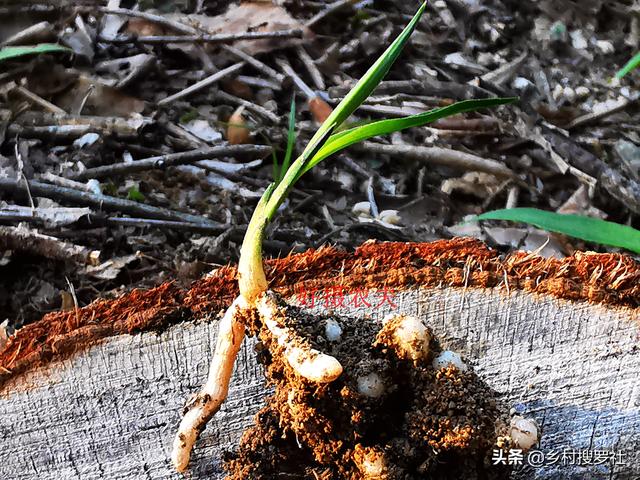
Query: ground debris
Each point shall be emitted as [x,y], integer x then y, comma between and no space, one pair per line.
[129,134]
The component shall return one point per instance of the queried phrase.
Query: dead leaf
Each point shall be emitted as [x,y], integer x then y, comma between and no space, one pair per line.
[50,216]
[203,130]
[67,302]
[247,17]
[478,184]
[110,269]
[102,99]
[580,204]
[144,28]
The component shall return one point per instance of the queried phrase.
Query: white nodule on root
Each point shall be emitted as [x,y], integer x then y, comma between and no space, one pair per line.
[309,363]
[524,432]
[371,462]
[332,330]
[409,337]
[448,358]
[207,402]
[370,385]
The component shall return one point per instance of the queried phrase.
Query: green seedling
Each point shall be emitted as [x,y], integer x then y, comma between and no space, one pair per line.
[313,365]
[7,53]
[632,64]
[279,171]
[577,226]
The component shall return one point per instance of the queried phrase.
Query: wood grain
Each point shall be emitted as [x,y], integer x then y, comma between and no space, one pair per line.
[111,411]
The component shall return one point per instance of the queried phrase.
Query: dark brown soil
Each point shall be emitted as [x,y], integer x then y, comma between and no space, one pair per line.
[611,279]
[427,424]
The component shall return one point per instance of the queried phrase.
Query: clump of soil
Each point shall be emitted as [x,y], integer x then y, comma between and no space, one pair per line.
[422,423]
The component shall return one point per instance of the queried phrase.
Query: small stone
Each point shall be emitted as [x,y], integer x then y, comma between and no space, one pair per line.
[332,330]
[520,83]
[578,41]
[605,47]
[582,92]
[569,94]
[86,140]
[557,93]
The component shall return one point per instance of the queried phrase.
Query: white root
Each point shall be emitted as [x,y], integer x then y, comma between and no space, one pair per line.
[206,403]
[309,363]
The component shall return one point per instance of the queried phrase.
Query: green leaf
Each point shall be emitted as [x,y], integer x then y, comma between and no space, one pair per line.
[15,52]
[345,108]
[291,141]
[369,81]
[586,228]
[342,140]
[135,195]
[630,65]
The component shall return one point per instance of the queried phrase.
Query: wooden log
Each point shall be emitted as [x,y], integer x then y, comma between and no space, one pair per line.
[110,410]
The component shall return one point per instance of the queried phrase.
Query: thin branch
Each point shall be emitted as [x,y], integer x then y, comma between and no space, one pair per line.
[595,116]
[158,19]
[254,62]
[105,202]
[205,82]
[441,156]
[22,239]
[205,38]
[308,62]
[168,224]
[38,100]
[257,109]
[331,9]
[171,159]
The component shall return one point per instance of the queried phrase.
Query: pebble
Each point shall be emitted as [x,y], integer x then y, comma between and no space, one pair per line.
[605,47]
[582,92]
[332,330]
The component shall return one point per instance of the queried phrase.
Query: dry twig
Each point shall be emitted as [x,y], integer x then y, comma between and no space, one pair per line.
[441,156]
[171,159]
[105,202]
[205,82]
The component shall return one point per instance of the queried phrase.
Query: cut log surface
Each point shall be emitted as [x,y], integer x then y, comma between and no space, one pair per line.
[110,411]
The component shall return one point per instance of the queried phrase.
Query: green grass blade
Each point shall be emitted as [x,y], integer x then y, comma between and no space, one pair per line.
[342,140]
[276,167]
[630,65]
[586,228]
[345,108]
[7,53]
[291,140]
[369,81]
